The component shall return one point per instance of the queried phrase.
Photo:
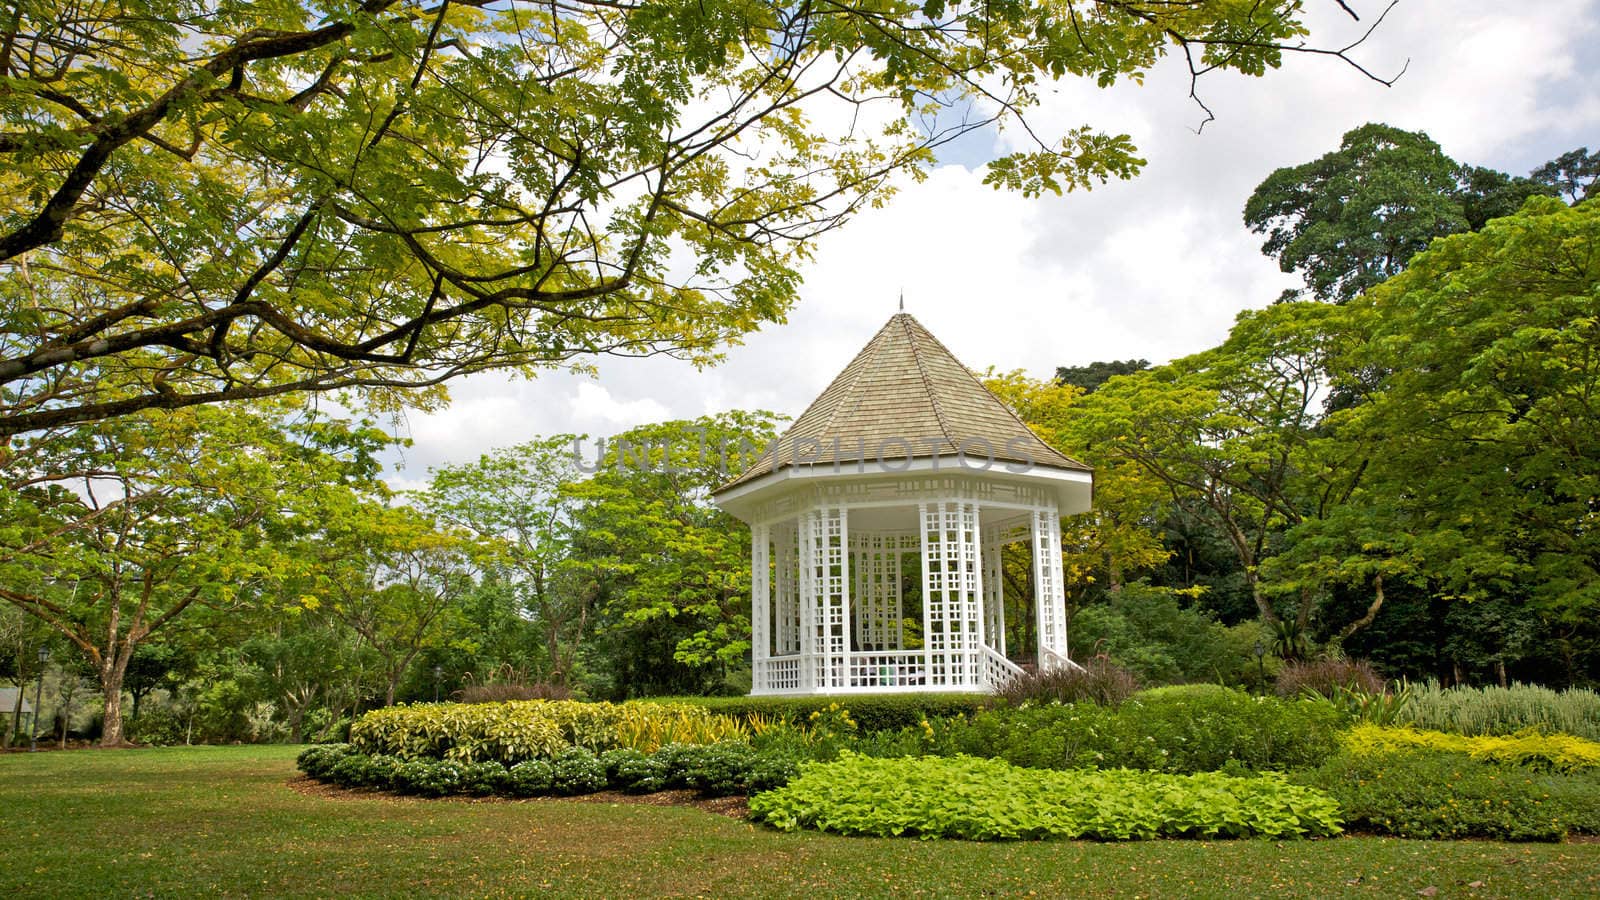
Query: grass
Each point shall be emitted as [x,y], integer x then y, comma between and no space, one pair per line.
[220,820]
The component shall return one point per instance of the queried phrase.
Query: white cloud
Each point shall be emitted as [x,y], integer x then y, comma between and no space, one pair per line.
[1155,268]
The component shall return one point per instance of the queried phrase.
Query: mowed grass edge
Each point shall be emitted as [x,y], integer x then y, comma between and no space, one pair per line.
[222,820]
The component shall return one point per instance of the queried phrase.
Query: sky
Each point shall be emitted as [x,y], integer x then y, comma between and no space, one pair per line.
[1153,268]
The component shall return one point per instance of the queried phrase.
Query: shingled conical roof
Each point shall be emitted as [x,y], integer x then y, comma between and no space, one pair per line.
[905,396]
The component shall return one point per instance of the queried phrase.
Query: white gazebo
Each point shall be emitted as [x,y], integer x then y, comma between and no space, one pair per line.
[906,468]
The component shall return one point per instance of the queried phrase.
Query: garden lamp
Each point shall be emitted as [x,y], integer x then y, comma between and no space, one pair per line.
[38,696]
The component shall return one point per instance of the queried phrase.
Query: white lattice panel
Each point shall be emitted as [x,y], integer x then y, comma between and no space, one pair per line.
[760,600]
[1050,599]
[786,601]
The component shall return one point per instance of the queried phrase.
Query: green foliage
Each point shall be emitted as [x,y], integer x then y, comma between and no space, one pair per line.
[1476,372]
[1354,217]
[713,769]
[518,730]
[1099,681]
[979,799]
[318,760]
[1162,639]
[884,712]
[1421,793]
[1555,752]
[576,770]
[212,167]
[530,778]
[1188,729]
[1505,710]
[665,562]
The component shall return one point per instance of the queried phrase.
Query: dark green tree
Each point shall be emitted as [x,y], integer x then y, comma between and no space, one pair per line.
[1354,217]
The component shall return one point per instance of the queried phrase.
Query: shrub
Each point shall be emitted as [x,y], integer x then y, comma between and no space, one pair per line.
[632,771]
[1327,677]
[1556,752]
[577,771]
[1185,729]
[1423,793]
[980,799]
[501,692]
[1505,710]
[1153,633]
[484,778]
[530,729]
[649,726]
[770,771]
[530,778]
[1099,681]
[428,777]
[719,770]
[877,712]
[318,760]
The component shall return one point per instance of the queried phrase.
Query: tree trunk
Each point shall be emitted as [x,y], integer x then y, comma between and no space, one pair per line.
[1372,612]
[111,674]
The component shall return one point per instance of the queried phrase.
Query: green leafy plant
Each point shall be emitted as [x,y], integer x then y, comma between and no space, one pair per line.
[577,771]
[884,712]
[1185,729]
[982,799]
[1555,752]
[1425,793]
[514,731]
[1505,710]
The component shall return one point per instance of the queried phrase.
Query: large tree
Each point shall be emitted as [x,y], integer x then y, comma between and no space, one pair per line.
[110,533]
[1482,432]
[1353,217]
[671,572]
[206,201]
[515,501]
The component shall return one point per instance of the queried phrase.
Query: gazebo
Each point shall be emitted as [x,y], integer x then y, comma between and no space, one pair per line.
[905,470]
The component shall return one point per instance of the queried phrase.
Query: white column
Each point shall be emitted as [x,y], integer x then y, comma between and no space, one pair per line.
[1050,599]
[786,624]
[994,600]
[760,606]
[810,645]
[972,636]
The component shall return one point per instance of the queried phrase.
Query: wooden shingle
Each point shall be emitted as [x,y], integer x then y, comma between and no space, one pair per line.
[905,396]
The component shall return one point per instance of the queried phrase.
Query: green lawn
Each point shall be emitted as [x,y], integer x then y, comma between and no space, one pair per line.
[187,822]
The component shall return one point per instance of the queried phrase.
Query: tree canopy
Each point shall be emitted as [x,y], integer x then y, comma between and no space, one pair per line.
[203,202]
[1353,217]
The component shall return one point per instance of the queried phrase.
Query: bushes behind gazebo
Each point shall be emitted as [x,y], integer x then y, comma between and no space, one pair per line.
[520,730]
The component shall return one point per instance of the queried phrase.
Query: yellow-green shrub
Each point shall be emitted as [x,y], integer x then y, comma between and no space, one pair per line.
[518,730]
[1558,752]
[647,727]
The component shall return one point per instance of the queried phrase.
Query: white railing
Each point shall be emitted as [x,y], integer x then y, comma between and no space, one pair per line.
[997,670]
[888,669]
[781,675]
[1050,660]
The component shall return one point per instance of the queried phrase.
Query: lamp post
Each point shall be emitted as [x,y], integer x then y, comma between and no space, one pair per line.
[438,678]
[38,697]
[1261,664]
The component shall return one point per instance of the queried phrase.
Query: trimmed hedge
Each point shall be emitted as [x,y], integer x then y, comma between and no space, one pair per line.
[871,712]
[1555,752]
[712,769]
[985,799]
[1181,730]
[1423,793]
[519,730]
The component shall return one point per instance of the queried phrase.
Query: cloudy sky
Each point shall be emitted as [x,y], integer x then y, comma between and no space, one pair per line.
[1156,267]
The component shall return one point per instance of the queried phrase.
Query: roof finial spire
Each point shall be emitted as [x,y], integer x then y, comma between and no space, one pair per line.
[902,299]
